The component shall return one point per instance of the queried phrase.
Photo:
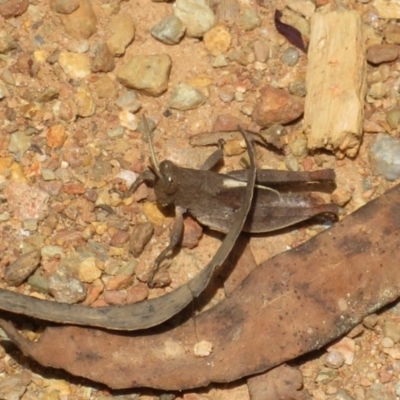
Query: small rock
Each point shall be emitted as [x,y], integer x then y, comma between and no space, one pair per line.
[385,157]
[65,6]
[73,188]
[89,270]
[341,196]
[217,40]
[169,30]
[276,106]
[127,120]
[19,143]
[387,343]
[192,232]
[393,117]
[261,51]
[38,283]
[119,239]
[249,20]
[196,15]
[7,43]
[65,288]
[219,61]
[26,201]
[149,74]
[370,321]
[377,90]
[105,88]
[122,28]
[137,293]
[76,66]
[303,7]
[341,394]
[381,53]
[391,329]
[13,387]
[346,347]
[119,282]
[325,375]
[17,272]
[140,236]
[30,224]
[13,8]
[103,60]
[129,101]
[392,34]
[80,24]
[298,88]
[185,97]
[56,136]
[114,297]
[299,147]
[334,360]
[290,56]
[84,102]
[203,348]
[227,123]
[291,163]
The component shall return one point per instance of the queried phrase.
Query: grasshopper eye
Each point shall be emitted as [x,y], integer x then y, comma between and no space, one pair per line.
[168,177]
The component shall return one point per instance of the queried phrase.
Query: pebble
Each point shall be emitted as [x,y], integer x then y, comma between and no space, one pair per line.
[185,97]
[341,394]
[385,157]
[303,7]
[393,117]
[13,386]
[119,238]
[52,251]
[334,360]
[387,343]
[261,51]
[392,34]
[114,297]
[249,20]
[381,53]
[19,143]
[196,15]
[122,28]
[169,30]
[276,106]
[56,136]
[325,375]
[129,101]
[119,282]
[105,88]
[377,90]
[140,236]
[192,232]
[148,74]
[298,88]
[85,105]
[13,8]
[290,56]
[103,60]
[38,283]
[291,163]
[75,66]
[203,348]
[346,347]
[73,188]
[65,6]
[30,224]
[7,43]
[299,147]
[66,288]
[217,40]
[370,321]
[127,120]
[391,329]
[137,293]
[26,201]
[17,272]
[89,270]
[341,196]
[81,23]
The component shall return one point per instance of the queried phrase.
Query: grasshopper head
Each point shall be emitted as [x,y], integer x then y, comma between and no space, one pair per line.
[166,185]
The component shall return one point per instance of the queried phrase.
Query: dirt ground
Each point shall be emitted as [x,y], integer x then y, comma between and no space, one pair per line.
[61,119]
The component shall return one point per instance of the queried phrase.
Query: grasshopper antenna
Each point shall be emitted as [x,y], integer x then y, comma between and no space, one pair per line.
[150,141]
